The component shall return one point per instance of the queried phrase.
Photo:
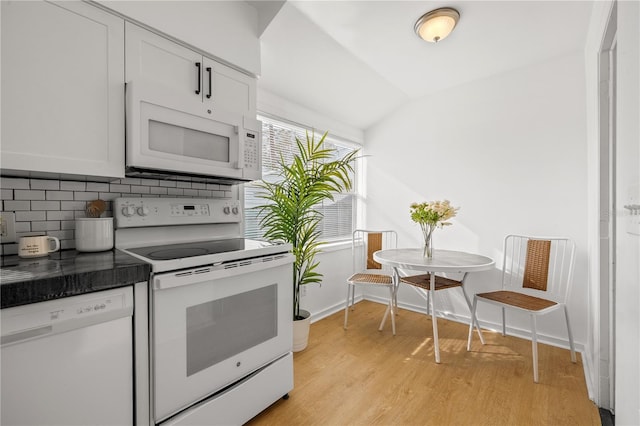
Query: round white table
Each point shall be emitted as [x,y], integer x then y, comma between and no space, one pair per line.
[442,261]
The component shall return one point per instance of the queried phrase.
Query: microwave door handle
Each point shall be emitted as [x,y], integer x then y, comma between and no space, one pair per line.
[198,77]
[210,90]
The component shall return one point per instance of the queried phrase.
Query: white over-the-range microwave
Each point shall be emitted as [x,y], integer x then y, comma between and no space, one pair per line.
[173,137]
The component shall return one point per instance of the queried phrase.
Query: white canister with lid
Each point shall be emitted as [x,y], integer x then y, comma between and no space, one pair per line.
[94,234]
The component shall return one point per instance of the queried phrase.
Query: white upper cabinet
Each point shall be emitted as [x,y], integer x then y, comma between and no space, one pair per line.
[62,89]
[150,57]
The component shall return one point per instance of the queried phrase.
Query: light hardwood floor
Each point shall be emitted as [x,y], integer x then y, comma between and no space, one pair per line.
[364,377]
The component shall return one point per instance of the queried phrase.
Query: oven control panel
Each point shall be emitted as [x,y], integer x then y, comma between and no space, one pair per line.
[132,212]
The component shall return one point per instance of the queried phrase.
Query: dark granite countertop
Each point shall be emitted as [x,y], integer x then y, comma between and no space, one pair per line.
[66,273]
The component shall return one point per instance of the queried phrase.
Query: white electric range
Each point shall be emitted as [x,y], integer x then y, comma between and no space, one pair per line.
[219,312]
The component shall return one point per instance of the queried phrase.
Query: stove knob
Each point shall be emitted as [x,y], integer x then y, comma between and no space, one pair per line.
[226,210]
[234,210]
[143,211]
[128,211]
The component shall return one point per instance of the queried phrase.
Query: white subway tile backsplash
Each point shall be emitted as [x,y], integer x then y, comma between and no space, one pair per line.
[114,187]
[59,195]
[62,235]
[130,181]
[178,192]
[50,207]
[158,190]
[73,205]
[86,196]
[72,186]
[9,249]
[23,194]
[138,189]
[68,224]
[67,244]
[22,227]
[46,205]
[45,184]
[29,234]
[97,186]
[150,182]
[109,196]
[60,215]
[28,216]
[13,206]
[52,225]
[14,183]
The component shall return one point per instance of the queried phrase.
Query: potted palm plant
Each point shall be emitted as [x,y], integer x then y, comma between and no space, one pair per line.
[289,211]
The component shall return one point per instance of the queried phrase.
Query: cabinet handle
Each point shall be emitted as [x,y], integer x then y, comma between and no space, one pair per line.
[198,77]
[209,71]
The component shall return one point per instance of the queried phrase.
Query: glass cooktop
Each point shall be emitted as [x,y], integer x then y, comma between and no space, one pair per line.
[180,251]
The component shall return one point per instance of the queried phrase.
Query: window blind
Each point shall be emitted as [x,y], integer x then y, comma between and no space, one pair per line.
[278,141]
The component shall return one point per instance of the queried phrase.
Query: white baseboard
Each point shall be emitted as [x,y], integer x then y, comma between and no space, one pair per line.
[317,316]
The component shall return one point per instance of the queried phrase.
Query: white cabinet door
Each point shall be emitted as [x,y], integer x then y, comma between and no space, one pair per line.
[62,89]
[151,57]
[232,90]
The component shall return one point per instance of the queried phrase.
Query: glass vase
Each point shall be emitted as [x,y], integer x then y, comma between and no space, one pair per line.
[427,250]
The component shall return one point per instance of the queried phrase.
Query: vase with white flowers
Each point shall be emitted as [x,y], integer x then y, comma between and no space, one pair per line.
[431,215]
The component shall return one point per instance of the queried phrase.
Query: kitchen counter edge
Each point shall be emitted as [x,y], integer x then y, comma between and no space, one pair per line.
[65,274]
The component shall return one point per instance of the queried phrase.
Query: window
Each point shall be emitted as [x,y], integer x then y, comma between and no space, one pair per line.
[278,139]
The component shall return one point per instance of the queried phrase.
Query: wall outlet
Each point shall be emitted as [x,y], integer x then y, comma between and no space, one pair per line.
[7,227]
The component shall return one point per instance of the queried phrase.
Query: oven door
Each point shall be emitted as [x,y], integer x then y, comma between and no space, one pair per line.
[214,325]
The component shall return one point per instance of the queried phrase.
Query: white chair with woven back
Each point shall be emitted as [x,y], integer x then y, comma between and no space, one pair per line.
[369,273]
[537,274]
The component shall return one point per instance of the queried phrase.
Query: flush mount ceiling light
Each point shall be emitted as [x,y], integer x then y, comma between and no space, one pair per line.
[437,24]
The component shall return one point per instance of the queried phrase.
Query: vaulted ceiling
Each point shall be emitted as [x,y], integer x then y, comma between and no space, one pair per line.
[357,61]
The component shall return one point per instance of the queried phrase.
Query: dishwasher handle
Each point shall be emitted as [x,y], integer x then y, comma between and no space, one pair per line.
[26,335]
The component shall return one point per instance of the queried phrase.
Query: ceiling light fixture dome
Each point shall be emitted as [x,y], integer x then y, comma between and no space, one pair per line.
[436,25]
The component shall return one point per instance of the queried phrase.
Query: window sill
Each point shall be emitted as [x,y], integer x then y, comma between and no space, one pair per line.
[340,245]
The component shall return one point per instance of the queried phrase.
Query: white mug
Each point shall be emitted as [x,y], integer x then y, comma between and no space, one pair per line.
[94,234]
[37,246]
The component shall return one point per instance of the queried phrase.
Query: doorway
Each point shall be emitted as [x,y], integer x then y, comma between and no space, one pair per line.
[607,216]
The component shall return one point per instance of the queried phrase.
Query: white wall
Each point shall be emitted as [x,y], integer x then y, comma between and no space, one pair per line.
[510,151]
[329,296]
[227,30]
[273,104]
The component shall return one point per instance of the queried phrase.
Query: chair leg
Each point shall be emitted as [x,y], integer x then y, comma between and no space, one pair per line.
[571,346]
[428,304]
[534,348]
[389,310]
[504,321]
[394,310]
[474,320]
[346,308]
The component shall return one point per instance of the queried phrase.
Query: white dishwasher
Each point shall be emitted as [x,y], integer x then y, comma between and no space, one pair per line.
[69,361]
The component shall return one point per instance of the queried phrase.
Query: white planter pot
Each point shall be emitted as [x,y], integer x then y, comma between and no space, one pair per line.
[301,331]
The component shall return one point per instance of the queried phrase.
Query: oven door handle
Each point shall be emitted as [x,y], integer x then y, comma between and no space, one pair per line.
[208,273]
